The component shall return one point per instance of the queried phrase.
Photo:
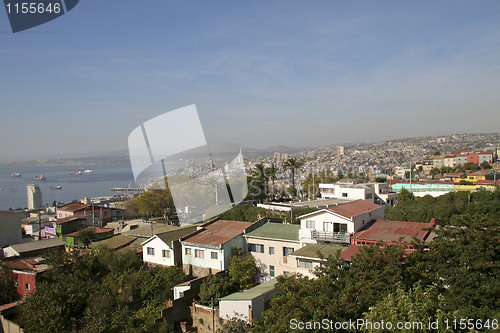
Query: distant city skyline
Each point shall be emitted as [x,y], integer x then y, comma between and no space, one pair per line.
[261,74]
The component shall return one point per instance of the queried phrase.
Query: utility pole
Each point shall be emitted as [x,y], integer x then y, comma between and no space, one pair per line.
[39,224]
[93,215]
[410,177]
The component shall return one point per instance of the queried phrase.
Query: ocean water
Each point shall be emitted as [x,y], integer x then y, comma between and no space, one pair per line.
[98,183]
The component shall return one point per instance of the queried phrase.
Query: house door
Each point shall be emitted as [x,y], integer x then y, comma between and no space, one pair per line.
[328,226]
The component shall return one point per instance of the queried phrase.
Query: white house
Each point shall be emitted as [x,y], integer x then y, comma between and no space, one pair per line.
[359,189]
[209,249]
[335,224]
[247,305]
[165,248]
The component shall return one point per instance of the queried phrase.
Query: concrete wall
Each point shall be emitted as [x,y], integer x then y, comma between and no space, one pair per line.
[10,225]
[264,260]
[240,309]
[203,318]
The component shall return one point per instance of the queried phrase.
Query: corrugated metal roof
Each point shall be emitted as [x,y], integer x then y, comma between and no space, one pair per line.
[37,245]
[353,208]
[277,231]
[97,230]
[115,242]
[392,231]
[218,233]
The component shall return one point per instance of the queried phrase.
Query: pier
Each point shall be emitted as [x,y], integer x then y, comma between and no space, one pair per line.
[126,189]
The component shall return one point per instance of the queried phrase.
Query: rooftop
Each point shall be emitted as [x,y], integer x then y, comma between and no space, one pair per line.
[169,237]
[392,231]
[32,264]
[37,245]
[353,208]
[148,230]
[97,230]
[277,231]
[69,219]
[218,232]
[252,293]
[72,207]
[115,242]
[311,251]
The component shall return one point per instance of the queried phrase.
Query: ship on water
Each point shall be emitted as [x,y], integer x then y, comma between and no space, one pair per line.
[58,187]
[40,177]
[16,174]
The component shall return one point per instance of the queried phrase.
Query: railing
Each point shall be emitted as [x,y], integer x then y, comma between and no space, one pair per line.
[331,236]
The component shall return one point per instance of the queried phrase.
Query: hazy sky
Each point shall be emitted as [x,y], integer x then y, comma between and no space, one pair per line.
[261,73]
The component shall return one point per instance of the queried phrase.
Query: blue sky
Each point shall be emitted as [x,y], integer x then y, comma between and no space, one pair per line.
[297,73]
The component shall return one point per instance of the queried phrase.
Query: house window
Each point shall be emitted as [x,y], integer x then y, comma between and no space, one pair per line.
[287,251]
[151,251]
[165,253]
[328,226]
[271,271]
[199,254]
[257,248]
[15,284]
[213,255]
[307,264]
[187,252]
[310,224]
[271,250]
[344,195]
[368,196]
[27,286]
[343,227]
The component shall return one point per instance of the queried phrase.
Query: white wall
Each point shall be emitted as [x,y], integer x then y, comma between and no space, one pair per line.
[158,245]
[234,309]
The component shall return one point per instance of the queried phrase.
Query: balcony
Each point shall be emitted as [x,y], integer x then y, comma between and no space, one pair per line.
[331,236]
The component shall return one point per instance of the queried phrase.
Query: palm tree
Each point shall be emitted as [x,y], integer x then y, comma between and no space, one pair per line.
[259,174]
[293,165]
[271,172]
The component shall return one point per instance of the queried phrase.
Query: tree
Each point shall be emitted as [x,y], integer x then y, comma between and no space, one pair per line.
[86,236]
[246,212]
[258,182]
[159,282]
[155,203]
[293,165]
[485,165]
[405,196]
[418,305]
[242,269]
[234,325]
[215,287]
[7,289]
[271,172]
[56,307]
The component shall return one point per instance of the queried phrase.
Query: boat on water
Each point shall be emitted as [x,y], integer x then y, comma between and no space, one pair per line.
[16,174]
[58,187]
[88,170]
[40,177]
[75,172]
